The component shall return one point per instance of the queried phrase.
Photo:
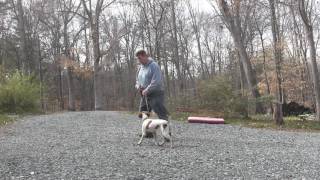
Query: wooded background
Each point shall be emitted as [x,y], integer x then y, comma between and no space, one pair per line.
[82,52]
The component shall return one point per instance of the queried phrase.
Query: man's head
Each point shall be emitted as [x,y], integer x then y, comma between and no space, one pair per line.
[142,57]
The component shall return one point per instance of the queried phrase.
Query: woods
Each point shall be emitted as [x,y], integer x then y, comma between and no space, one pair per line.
[262,54]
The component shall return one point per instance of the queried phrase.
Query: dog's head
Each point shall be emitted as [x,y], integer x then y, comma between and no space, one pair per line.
[144,115]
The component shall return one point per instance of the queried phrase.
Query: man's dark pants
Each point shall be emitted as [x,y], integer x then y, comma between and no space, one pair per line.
[156,103]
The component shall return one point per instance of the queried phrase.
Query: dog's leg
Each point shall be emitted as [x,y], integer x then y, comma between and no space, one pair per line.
[140,141]
[171,137]
[160,130]
[142,135]
[171,140]
[155,138]
[165,134]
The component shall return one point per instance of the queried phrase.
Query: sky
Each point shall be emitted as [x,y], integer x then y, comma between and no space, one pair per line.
[203,5]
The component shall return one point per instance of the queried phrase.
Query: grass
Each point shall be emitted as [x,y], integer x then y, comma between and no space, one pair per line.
[180,116]
[5,119]
[260,121]
[291,124]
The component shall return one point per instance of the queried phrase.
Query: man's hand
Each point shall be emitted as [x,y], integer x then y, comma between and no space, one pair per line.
[140,90]
[145,92]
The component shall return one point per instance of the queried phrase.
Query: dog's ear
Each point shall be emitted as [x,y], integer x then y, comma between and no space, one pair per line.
[148,114]
[140,115]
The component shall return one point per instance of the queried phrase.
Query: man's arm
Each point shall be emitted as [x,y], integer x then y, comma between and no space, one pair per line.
[137,86]
[156,80]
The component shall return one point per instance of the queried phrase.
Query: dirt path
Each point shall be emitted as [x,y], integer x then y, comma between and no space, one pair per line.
[101,145]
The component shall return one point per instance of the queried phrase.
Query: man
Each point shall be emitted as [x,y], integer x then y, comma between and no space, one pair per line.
[150,85]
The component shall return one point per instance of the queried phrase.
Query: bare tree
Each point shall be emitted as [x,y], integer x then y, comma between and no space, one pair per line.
[231,17]
[306,17]
[93,15]
[196,30]
[67,9]
[277,54]
[84,51]
[176,58]
[24,53]
[261,24]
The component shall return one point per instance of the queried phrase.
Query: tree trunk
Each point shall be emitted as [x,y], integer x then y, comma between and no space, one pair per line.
[249,73]
[71,99]
[265,70]
[195,27]
[212,56]
[166,72]
[241,76]
[61,99]
[313,55]
[67,53]
[23,37]
[176,46]
[94,17]
[277,54]
[98,93]
[84,99]
[40,76]
[232,19]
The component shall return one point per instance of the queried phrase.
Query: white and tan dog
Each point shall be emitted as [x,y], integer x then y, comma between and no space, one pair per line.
[153,126]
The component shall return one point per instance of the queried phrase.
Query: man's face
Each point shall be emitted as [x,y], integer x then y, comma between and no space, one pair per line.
[143,59]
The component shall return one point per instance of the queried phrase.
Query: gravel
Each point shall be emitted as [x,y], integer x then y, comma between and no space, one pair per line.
[102,145]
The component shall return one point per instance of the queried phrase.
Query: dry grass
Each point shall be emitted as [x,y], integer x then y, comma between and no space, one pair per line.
[5,119]
[258,121]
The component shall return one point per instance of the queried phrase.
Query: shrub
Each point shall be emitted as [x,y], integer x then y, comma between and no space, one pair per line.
[218,95]
[19,94]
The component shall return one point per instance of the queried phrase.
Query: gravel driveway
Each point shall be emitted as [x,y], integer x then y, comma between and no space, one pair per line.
[101,145]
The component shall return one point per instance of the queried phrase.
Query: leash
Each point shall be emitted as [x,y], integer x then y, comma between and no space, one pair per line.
[146,101]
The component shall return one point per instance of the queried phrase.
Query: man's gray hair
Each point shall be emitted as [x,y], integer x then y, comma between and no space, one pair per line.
[141,53]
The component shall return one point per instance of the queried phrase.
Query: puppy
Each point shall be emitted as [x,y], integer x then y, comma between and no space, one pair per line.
[153,126]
